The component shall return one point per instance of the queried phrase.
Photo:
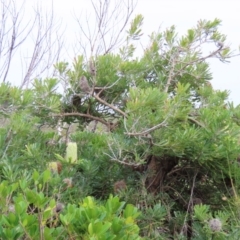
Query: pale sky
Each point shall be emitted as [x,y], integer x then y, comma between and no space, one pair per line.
[184,14]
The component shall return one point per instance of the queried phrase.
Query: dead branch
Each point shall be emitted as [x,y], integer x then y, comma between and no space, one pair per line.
[46,47]
[109,105]
[196,122]
[186,64]
[16,33]
[111,18]
[82,115]
[173,61]
[190,203]
[146,132]
[116,158]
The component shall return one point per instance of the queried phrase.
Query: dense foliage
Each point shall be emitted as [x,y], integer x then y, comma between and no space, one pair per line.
[149,129]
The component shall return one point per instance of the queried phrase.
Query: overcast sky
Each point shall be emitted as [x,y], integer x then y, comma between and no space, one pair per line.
[184,14]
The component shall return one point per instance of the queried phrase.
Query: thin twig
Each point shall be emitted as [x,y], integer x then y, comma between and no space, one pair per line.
[81,115]
[110,105]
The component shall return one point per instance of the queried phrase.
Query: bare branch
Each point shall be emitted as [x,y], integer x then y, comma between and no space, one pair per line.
[160,125]
[171,73]
[110,105]
[16,32]
[111,20]
[82,115]
[44,55]
[116,158]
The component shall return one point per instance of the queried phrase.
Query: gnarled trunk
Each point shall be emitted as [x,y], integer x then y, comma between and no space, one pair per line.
[157,169]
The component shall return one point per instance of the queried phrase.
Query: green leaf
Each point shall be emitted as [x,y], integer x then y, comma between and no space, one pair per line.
[46,176]
[117,225]
[201,212]
[131,211]
[98,228]
[191,35]
[21,207]
[113,205]
[35,176]
[135,31]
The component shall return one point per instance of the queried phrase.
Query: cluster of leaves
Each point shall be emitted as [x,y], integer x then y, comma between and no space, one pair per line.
[28,213]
